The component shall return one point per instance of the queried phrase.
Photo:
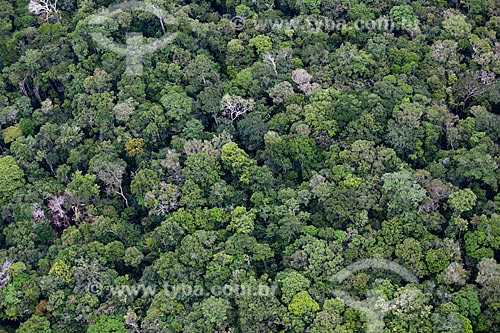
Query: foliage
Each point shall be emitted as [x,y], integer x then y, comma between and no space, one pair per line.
[11,177]
[266,154]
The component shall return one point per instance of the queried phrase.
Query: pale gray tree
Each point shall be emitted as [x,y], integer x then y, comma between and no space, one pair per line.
[45,7]
[4,273]
[236,106]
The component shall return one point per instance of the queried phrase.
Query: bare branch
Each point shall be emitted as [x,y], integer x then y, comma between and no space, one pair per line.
[301,76]
[236,106]
[46,7]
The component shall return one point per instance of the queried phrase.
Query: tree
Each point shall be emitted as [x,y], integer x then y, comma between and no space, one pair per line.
[237,161]
[201,72]
[405,130]
[110,172]
[319,115]
[11,133]
[462,200]
[475,164]
[257,314]
[485,121]
[176,104]
[134,147]
[303,80]
[455,273]
[403,16]
[456,25]
[411,252]
[216,310]
[303,305]
[20,295]
[237,53]
[437,260]
[132,256]
[291,282]
[489,279]
[144,181]
[402,192]
[473,84]
[4,273]
[11,177]
[111,324]
[468,302]
[281,92]
[353,64]
[6,25]
[446,53]
[476,245]
[234,107]
[35,324]
[203,168]
[83,187]
[162,199]
[46,7]
[241,221]
[261,42]
[274,58]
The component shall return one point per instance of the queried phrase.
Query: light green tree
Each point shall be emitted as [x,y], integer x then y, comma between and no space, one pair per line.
[11,177]
[303,305]
[242,221]
[462,201]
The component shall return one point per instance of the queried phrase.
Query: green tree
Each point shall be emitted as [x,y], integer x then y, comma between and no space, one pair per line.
[457,26]
[261,43]
[11,177]
[106,323]
[83,187]
[177,104]
[241,221]
[144,181]
[20,295]
[132,256]
[291,282]
[237,161]
[467,301]
[402,192]
[403,16]
[303,305]
[437,260]
[216,310]
[462,201]
[11,133]
[35,324]
[475,164]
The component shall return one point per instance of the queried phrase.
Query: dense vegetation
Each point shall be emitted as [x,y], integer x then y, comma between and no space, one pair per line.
[255,155]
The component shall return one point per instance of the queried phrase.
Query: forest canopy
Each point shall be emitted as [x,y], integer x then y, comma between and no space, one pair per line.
[244,166]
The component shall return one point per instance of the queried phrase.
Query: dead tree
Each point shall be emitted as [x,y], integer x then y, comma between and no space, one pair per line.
[4,273]
[474,84]
[236,106]
[303,80]
[46,7]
